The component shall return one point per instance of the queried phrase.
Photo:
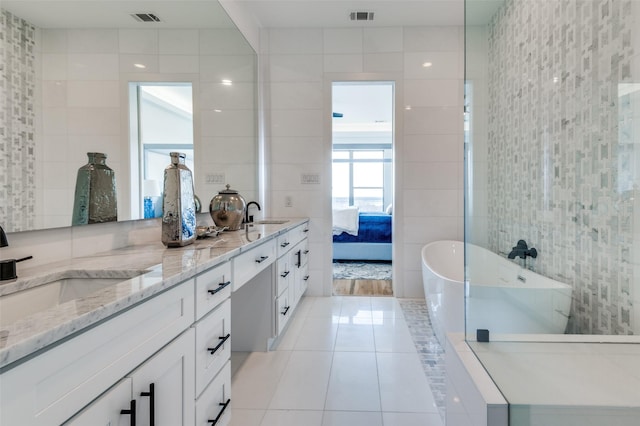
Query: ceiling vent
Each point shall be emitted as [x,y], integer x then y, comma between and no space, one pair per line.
[145,17]
[361,16]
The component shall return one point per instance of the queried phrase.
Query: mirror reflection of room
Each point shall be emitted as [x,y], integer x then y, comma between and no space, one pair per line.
[362,195]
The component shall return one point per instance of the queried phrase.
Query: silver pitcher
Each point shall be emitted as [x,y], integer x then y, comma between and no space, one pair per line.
[178,206]
[227,209]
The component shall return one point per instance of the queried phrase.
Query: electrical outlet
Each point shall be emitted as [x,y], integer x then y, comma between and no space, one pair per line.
[215,178]
[310,178]
[288,201]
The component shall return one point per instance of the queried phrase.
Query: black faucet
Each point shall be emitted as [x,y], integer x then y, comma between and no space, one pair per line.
[3,238]
[247,218]
[522,251]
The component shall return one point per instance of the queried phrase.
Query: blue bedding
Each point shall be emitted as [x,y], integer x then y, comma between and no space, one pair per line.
[372,228]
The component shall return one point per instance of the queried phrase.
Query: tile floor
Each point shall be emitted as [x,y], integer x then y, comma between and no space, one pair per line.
[343,361]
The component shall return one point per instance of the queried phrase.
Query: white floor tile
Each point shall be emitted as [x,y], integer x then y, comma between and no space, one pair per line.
[355,338]
[324,307]
[317,334]
[292,418]
[288,341]
[304,382]
[353,385]
[351,418]
[257,379]
[393,336]
[246,417]
[385,307]
[403,384]
[411,419]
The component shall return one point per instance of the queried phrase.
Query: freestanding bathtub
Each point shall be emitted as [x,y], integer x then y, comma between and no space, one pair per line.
[502,297]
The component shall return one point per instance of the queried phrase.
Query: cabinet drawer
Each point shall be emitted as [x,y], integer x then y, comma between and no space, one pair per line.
[283,310]
[214,403]
[249,264]
[213,344]
[212,288]
[289,239]
[284,273]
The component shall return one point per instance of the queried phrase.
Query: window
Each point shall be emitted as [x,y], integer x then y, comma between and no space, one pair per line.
[359,178]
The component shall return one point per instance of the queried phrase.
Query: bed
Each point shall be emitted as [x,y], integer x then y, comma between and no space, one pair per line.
[372,242]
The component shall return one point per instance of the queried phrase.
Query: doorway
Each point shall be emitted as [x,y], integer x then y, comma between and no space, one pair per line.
[161,123]
[362,186]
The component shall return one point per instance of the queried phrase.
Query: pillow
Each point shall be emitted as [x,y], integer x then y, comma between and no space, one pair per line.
[389,209]
[346,220]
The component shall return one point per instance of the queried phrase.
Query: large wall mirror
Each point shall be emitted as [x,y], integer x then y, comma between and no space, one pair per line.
[74,69]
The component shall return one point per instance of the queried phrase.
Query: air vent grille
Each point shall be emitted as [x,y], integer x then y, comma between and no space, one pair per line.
[361,16]
[145,17]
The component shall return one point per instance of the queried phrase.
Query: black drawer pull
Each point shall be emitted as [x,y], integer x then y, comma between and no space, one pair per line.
[222,340]
[299,255]
[224,407]
[220,287]
[152,403]
[306,278]
[306,252]
[286,309]
[284,274]
[262,259]
[286,243]
[131,411]
[305,230]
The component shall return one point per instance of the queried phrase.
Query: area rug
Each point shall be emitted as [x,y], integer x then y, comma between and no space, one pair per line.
[361,270]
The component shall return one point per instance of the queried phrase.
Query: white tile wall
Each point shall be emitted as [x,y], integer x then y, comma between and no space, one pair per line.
[299,67]
[84,103]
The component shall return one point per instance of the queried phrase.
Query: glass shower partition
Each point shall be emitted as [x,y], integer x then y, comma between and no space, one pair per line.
[552,206]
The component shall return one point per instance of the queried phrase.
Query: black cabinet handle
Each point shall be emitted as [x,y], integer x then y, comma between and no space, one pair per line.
[152,403]
[286,309]
[299,254]
[306,252]
[224,407]
[220,287]
[286,243]
[305,230]
[306,278]
[222,340]
[131,412]
[262,259]
[284,274]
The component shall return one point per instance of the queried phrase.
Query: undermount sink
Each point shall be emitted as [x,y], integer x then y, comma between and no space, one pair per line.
[271,222]
[55,289]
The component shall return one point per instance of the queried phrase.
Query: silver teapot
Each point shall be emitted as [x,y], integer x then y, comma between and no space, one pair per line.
[227,209]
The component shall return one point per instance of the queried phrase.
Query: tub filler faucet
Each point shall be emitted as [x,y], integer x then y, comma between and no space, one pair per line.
[522,251]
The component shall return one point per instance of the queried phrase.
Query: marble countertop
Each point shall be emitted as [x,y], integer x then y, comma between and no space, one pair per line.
[161,267]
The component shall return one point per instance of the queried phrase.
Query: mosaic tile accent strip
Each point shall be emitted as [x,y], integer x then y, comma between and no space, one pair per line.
[562,155]
[17,123]
[429,349]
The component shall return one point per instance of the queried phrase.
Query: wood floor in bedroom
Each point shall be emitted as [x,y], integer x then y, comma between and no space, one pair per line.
[348,287]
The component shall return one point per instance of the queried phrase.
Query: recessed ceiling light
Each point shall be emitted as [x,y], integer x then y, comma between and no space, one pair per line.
[227,82]
[408,107]
[427,64]
[139,65]
[217,110]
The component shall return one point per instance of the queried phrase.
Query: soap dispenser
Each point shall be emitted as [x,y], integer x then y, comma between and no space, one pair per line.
[178,207]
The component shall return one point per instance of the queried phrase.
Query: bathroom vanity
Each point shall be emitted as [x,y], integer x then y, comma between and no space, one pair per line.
[151,343]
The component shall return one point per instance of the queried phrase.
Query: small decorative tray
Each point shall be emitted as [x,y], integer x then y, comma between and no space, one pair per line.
[209,231]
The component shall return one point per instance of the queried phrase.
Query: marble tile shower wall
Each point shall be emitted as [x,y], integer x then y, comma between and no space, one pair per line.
[17,122]
[563,173]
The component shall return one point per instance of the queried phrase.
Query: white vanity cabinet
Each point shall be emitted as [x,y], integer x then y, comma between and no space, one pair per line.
[290,275]
[51,387]
[157,393]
